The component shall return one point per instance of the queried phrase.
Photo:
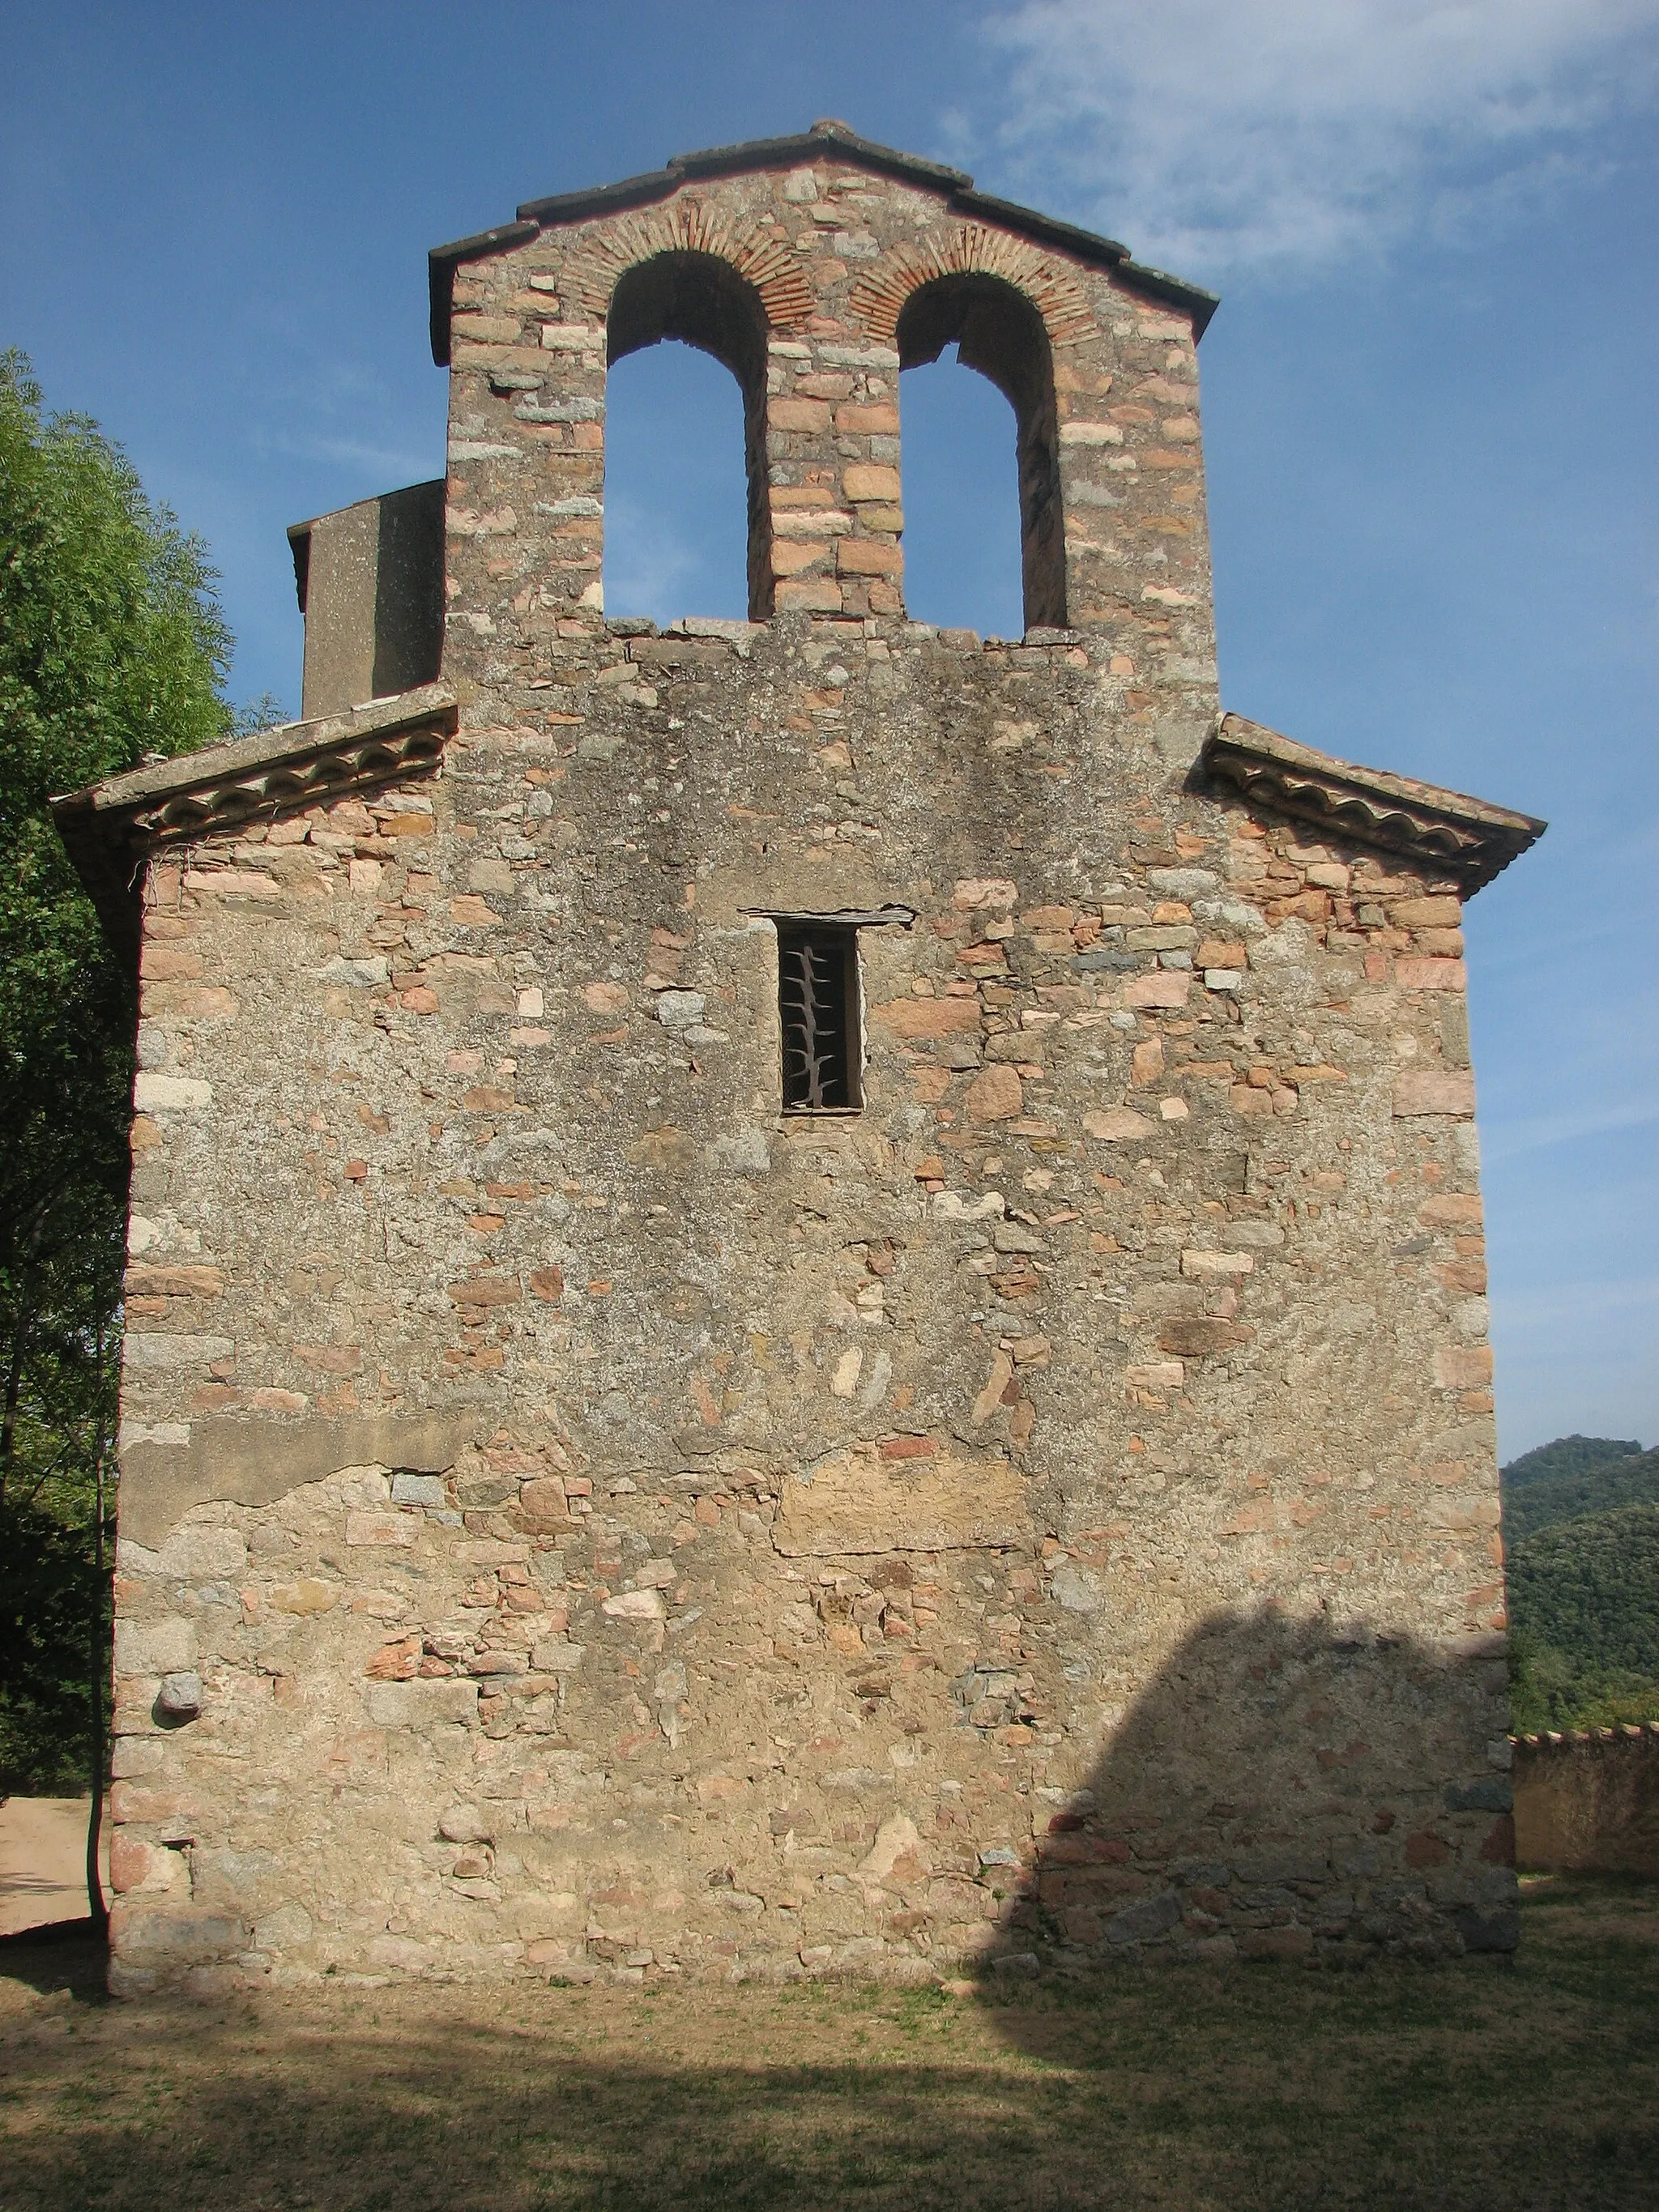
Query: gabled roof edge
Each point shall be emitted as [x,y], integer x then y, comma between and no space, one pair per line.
[537,215]
[804,145]
[110,829]
[1198,304]
[1447,831]
[441,265]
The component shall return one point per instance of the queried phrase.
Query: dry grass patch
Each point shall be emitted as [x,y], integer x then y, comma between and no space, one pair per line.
[1489,2084]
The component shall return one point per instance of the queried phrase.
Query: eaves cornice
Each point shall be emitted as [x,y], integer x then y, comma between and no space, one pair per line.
[111,827]
[1446,831]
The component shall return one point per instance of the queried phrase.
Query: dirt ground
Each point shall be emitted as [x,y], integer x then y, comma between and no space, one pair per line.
[1489,2084]
[43,1861]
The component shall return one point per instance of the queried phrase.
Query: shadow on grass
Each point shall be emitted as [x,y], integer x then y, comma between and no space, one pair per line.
[1490,2083]
[64,1954]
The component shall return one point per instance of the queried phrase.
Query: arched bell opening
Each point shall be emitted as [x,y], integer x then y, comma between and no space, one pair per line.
[997,331]
[700,300]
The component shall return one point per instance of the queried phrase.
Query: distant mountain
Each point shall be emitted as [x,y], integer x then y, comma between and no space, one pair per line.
[1567,1455]
[1571,1479]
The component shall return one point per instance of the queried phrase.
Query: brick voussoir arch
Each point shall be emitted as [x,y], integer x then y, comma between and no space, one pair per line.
[879,295]
[687,226]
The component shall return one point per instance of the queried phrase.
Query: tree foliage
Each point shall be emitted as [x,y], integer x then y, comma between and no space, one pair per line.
[112,649]
[1582,1529]
[1591,1588]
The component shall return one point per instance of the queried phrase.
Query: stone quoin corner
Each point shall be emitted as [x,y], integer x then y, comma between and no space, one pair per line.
[805,1295]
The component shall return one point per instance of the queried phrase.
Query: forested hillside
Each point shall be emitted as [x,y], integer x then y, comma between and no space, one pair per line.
[1581,1526]
[1570,1491]
[1567,1455]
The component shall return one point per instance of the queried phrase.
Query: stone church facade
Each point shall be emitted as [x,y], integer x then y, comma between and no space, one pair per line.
[805,1295]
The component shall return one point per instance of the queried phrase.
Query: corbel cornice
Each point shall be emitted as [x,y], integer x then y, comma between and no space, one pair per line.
[1447,832]
[111,829]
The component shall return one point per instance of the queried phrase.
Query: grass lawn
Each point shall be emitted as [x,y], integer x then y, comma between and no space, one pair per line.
[1488,2084]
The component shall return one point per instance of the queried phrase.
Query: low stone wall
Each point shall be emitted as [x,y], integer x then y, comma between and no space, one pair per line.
[1589,1803]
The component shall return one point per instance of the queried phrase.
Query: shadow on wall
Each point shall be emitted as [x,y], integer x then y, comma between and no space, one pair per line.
[1285,1790]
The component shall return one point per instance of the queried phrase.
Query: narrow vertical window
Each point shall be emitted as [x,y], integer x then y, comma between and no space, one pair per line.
[820,1017]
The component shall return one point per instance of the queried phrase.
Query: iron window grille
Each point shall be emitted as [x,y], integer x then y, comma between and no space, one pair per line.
[820,1017]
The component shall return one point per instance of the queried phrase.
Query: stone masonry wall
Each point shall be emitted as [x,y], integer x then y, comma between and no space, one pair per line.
[614,1527]
[1588,1802]
[527,416]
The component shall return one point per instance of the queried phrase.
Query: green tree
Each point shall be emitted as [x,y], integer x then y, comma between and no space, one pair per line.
[112,650]
[1583,1601]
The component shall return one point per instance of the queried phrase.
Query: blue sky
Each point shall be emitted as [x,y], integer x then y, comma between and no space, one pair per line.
[1428,404]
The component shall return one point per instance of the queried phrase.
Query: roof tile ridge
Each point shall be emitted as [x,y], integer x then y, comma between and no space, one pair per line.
[279,742]
[1469,838]
[1237,729]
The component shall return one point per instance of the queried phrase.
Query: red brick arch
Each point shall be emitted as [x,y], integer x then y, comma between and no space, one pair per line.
[685,225]
[880,294]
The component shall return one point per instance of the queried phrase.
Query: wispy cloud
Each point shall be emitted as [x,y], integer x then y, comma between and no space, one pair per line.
[1587,1300]
[1502,1141]
[391,463]
[1215,134]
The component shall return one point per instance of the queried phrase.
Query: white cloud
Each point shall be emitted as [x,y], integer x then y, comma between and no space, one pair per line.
[1216,134]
